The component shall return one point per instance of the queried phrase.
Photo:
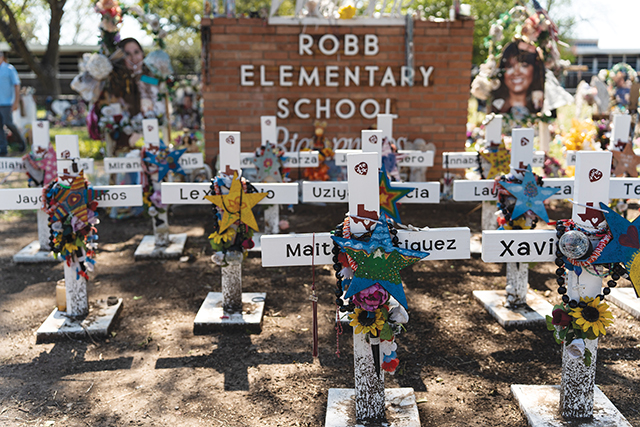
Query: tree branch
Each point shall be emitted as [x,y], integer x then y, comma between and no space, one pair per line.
[13,36]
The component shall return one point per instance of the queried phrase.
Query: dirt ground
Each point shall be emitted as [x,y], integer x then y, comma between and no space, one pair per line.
[154,372]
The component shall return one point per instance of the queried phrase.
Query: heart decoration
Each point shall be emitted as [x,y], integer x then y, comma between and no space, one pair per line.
[268,122]
[40,125]
[361,168]
[373,139]
[66,154]
[595,175]
[149,128]
[630,238]
[230,140]
[524,141]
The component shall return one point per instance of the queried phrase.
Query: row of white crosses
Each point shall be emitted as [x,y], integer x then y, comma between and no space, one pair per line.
[37,251]
[225,310]
[161,244]
[77,305]
[316,249]
[576,392]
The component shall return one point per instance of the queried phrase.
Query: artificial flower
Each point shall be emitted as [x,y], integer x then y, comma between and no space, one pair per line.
[388,347]
[371,298]
[367,321]
[398,314]
[390,366]
[225,236]
[595,316]
[576,348]
[561,318]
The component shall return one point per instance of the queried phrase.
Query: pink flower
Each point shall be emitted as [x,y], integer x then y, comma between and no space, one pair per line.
[156,199]
[371,298]
[561,318]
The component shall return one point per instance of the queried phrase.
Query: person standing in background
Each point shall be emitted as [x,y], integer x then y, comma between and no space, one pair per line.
[9,102]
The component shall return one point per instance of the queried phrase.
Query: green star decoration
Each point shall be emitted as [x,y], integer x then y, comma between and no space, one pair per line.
[390,196]
[379,262]
[529,196]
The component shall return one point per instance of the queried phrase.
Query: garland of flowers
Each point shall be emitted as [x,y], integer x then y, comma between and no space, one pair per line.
[506,204]
[238,238]
[370,310]
[573,321]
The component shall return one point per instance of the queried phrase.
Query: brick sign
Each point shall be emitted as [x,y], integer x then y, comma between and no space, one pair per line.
[344,75]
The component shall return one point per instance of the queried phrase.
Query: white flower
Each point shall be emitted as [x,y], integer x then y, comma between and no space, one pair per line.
[218,258]
[603,74]
[388,347]
[481,87]
[398,314]
[576,348]
[98,66]
[127,129]
[107,111]
[496,32]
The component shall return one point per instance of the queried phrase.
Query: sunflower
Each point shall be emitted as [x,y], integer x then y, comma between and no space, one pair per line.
[226,236]
[595,316]
[364,321]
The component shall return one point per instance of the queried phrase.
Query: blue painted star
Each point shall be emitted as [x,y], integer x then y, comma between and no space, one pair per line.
[379,262]
[529,196]
[390,196]
[624,246]
[268,164]
[165,160]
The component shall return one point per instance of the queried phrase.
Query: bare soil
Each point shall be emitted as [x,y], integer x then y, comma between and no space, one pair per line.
[154,372]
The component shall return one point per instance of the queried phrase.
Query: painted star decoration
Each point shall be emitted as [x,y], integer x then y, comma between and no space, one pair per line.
[389,196]
[499,159]
[529,196]
[268,164]
[625,161]
[236,205]
[624,246]
[379,262]
[165,160]
[73,200]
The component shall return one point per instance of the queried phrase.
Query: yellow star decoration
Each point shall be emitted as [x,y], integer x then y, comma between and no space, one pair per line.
[237,205]
[499,161]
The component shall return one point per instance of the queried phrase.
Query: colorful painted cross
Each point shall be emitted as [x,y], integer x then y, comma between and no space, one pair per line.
[316,249]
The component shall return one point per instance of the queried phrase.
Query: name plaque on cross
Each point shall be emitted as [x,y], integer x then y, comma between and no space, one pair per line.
[133,164]
[300,159]
[337,192]
[405,157]
[308,249]
[195,193]
[16,164]
[31,198]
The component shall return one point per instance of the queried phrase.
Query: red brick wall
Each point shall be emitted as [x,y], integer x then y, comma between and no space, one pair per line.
[437,113]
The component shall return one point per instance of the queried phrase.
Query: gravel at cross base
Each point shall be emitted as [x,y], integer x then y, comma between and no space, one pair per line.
[153,371]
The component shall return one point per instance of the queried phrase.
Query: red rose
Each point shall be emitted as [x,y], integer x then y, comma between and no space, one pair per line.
[561,318]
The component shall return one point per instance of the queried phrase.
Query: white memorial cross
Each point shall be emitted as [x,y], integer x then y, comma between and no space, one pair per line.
[226,310]
[36,251]
[516,306]
[408,158]
[301,159]
[76,320]
[577,393]
[161,244]
[337,191]
[469,159]
[316,249]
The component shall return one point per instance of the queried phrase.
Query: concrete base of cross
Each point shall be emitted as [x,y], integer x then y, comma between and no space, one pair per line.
[97,324]
[32,254]
[540,404]
[212,318]
[148,249]
[532,314]
[476,244]
[401,408]
[626,299]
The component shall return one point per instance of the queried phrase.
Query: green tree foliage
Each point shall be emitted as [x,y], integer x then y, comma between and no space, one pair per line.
[487,11]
